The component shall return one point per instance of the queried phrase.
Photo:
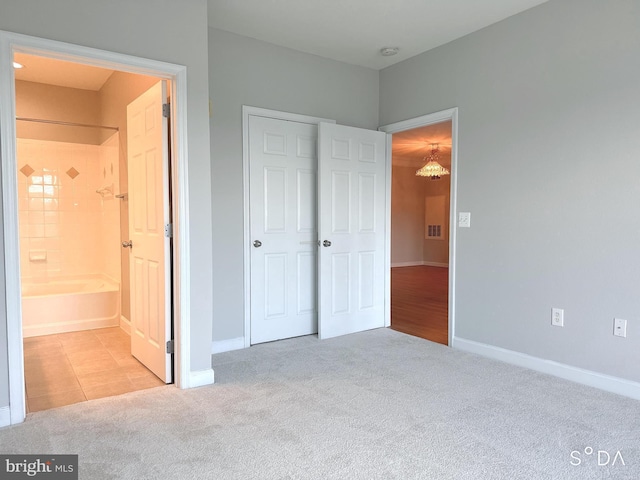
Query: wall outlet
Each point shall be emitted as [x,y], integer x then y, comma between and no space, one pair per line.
[464,219]
[557,317]
[619,327]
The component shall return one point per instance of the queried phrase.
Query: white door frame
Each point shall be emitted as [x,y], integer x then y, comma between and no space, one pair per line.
[422,121]
[11,43]
[259,112]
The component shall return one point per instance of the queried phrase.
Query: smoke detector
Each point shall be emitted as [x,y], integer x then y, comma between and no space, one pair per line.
[388,51]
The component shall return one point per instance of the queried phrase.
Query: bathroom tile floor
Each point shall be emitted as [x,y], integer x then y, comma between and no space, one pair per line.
[75,367]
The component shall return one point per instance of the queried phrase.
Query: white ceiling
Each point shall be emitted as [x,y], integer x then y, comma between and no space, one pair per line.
[354,31]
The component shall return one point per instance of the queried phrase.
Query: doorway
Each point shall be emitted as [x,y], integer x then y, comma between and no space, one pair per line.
[180,292]
[75,190]
[423,225]
[420,193]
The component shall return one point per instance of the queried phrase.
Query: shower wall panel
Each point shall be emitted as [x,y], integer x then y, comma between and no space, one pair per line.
[63,220]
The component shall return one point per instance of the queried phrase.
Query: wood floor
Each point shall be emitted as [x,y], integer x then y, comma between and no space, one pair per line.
[74,367]
[419,302]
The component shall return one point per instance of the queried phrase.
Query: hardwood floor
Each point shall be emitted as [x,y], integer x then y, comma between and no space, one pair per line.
[419,302]
[74,367]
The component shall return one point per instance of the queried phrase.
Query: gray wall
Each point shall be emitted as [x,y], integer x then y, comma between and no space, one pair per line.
[243,71]
[4,358]
[141,28]
[549,162]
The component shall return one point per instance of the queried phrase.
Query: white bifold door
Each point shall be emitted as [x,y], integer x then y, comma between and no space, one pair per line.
[301,282]
[149,260]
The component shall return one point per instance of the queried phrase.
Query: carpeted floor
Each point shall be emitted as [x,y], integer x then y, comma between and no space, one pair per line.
[374,405]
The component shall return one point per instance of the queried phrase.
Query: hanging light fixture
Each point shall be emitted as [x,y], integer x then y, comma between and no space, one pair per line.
[432,168]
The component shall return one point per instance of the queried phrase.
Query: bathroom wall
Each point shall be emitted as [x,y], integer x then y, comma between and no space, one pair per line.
[118,91]
[51,102]
[109,243]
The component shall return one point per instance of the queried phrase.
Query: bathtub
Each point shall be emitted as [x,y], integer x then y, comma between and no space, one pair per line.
[69,305]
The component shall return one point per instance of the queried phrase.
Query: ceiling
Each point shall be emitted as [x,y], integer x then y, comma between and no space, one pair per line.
[60,73]
[354,31]
[410,147]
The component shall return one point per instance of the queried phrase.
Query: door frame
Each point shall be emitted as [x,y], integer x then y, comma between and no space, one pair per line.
[13,42]
[248,111]
[423,121]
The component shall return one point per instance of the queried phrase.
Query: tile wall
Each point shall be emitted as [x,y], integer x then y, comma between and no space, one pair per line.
[66,228]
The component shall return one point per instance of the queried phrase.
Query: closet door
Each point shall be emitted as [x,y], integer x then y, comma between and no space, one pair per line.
[351,200]
[283,223]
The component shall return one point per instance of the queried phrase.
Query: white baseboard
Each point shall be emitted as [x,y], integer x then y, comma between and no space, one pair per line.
[407,264]
[609,383]
[5,416]
[54,328]
[200,378]
[435,264]
[125,324]
[220,346]
[419,263]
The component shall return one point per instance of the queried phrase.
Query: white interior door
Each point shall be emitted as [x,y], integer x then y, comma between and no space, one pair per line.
[148,195]
[283,207]
[351,199]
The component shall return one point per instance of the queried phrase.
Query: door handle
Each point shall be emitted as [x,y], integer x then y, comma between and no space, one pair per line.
[257,243]
[326,243]
[127,244]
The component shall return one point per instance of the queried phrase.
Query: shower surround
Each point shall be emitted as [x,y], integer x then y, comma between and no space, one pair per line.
[69,234]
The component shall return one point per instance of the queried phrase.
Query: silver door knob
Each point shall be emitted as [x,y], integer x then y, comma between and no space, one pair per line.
[257,243]
[326,243]
[128,244]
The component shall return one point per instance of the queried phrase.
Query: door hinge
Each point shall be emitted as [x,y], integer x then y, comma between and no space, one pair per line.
[170,347]
[168,230]
[166,110]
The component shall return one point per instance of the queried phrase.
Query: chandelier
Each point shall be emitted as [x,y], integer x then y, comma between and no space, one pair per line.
[432,168]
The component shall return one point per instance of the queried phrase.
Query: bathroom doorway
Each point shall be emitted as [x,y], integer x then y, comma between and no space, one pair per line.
[73,210]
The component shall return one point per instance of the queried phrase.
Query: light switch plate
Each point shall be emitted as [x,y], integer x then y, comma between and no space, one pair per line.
[464,219]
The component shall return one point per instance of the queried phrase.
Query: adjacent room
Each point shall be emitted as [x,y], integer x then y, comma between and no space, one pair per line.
[420,211]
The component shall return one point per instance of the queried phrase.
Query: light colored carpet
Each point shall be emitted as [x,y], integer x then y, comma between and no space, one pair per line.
[374,405]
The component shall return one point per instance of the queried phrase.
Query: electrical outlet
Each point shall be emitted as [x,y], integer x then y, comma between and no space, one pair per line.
[619,327]
[464,219]
[557,317]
